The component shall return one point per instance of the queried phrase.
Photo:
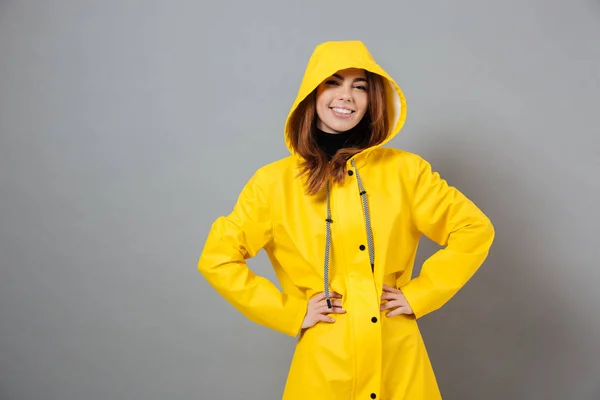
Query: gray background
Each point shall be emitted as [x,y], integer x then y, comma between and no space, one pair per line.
[127,127]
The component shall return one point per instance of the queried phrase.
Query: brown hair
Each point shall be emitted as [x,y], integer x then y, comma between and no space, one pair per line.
[301,131]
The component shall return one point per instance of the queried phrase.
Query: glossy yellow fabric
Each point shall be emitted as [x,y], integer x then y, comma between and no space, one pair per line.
[364,353]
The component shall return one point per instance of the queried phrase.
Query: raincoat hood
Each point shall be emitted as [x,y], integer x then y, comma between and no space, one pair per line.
[331,57]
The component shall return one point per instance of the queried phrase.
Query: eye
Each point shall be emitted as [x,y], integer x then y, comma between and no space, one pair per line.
[361,87]
[332,82]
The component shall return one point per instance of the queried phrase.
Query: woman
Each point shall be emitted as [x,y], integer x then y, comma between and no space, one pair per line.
[340,220]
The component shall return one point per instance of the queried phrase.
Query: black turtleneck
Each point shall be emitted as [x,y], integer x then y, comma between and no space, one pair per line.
[332,142]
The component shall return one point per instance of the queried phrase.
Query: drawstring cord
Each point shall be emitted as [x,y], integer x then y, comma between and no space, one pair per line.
[368,228]
[327,246]
[367,215]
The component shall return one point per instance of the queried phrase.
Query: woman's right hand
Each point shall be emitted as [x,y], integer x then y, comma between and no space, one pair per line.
[317,309]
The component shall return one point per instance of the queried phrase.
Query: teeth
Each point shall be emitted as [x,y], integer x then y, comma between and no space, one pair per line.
[342,111]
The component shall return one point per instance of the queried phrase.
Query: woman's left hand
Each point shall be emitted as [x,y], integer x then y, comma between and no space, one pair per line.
[395,302]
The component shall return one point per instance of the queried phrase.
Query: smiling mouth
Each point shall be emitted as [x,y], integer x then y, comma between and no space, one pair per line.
[341,111]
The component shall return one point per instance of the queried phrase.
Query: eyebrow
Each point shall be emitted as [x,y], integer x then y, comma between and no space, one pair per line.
[355,80]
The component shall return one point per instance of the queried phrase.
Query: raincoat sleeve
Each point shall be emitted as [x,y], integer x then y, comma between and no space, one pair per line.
[447,217]
[233,239]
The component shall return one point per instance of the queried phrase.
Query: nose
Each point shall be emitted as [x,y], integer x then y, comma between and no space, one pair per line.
[345,93]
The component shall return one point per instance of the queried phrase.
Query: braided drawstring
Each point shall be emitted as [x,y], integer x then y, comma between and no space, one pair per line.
[367,216]
[327,246]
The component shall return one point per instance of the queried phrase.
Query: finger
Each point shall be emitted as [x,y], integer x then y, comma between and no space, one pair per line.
[317,297]
[334,311]
[387,288]
[322,307]
[325,310]
[398,311]
[389,305]
[324,318]
[321,296]
[389,296]
[334,303]
[399,299]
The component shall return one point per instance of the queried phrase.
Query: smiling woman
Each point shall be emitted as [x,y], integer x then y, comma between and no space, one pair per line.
[323,214]
[350,116]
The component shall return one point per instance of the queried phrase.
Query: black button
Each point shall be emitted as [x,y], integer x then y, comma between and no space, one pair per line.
[373,396]
[362,247]
[374,319]
[350,172]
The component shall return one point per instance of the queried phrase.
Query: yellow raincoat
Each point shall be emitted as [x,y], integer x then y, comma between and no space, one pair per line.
[364,354]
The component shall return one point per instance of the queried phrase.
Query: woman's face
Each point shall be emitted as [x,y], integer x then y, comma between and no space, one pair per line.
[342,100]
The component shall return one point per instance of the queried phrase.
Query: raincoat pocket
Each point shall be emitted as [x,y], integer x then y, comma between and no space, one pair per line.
[322,362]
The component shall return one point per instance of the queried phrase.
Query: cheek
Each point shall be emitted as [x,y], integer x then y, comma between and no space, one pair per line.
[323,99]
[363,103]
[321,107]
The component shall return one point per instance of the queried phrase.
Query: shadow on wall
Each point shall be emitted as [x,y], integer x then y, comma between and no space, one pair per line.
[508,334]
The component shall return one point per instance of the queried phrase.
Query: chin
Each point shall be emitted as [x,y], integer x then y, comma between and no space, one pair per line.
[340,128]
[344,128]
